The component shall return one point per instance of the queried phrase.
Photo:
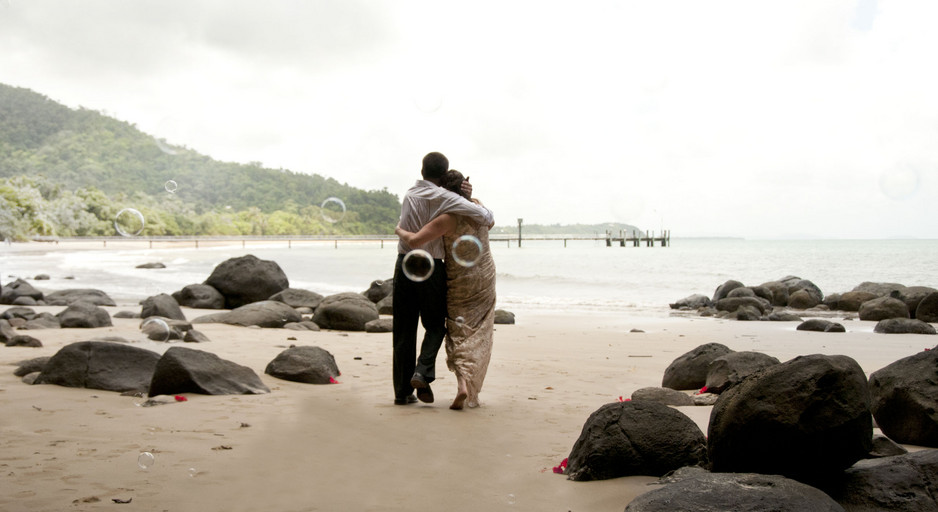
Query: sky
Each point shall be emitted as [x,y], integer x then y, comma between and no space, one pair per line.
[786,119]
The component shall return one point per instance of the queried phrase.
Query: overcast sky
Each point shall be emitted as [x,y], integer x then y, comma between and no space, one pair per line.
[757,119]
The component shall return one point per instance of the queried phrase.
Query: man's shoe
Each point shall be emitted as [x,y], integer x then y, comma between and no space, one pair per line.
[424,393]
[410,399]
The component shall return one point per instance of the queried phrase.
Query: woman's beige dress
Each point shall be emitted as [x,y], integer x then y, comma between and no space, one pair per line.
[470,304]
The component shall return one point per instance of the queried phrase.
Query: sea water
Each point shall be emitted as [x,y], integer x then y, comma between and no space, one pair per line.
[542,275]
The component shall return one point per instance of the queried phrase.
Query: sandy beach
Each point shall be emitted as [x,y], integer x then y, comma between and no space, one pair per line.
[346,446]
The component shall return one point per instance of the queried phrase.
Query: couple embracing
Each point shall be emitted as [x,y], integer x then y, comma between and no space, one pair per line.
[456,302]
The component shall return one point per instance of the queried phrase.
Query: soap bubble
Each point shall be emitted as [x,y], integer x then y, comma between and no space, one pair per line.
[145,460]
[129,222]
[193,472]
[333,209]
[899,183]
[417,265]
[156,329]
[466,250]
[171,186]
[511,499]
[459,320]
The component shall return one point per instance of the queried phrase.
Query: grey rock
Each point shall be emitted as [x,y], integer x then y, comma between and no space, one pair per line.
[23,340]
[902,482]
[161,305]
[186,370]
[689,370]
[882,308]
[730,369]
[100,365]
[903,326]
[345,312]
[904,394]
[310,365]
[69,297]
[820,325]
[779,292]
[379,290]
[380,325]
[802,299]
[885,447]
[692,302]
[84,315]
[927,310]
[504,317]
[386,305]
[247,279]
[200,296]
[194,336]
[724,289]
[298,298]
[44,320]
[268,313]
[783,316]
[666,396]
[731,304]
[23,312]
[18,288]
[151,265]
[28,366]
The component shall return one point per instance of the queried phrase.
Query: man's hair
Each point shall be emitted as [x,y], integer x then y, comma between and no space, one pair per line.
[434,166]
[452,181]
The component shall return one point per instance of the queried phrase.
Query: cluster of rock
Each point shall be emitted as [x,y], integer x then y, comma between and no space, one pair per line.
[897,308]
[796,434]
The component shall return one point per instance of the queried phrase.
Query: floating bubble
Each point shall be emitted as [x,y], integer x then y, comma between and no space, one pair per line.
[171,186]
[459,320]
[145,460]
[511,499]
[417,265]
[156,329]
[899,183]
[427,95]
[466,250]
[129,222]
[333,209]
[193,472]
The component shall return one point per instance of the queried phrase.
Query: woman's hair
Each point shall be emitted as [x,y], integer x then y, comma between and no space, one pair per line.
[452,181]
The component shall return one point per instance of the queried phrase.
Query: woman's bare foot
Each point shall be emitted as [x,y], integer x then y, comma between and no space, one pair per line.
[461,395]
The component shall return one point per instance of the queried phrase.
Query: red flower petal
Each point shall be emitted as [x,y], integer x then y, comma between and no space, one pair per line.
[333,381]
[180,398]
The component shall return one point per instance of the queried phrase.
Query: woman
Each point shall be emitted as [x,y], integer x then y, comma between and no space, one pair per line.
[470,296]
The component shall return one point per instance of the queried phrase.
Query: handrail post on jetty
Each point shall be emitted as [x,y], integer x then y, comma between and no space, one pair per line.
[520,220]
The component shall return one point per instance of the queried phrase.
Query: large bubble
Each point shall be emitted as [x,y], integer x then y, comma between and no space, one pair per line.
[333,210]
[466,250]
[171,186]
[156,329]
[417,265]
[899,183]
[129,222]
[145,460]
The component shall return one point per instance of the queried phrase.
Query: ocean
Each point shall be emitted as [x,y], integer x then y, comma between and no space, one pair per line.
[547,276]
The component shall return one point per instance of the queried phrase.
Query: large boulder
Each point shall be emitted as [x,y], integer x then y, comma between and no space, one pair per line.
[310,365]
[902,482]
[100,365]
[882,308]
[268,313]
[69,297]
[779,292]
[796,284]
[504,317]
[904,397]
[379,290]
[689,371]
[724,289]
[635,438]
[730,369]
[693,302]
[186,370]
[802,299]
[44,320]
[18,288]
[345,312]
[731,304]
[386,306]
[7,332]
[913,295]
[903,326]
[247,279]
[927,310]
[852,300]
[666,396]
[879,289]
[820,325]
[84,315]
[200,296]
[18,312]
[807,419]
[161,305]
[697,490]
[297,298]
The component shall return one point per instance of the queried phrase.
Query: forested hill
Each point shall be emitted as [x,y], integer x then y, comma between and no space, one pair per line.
[67,171]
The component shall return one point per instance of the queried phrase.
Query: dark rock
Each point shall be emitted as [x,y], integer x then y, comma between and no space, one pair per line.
[705,399]
[795,285]
[666,396]
[159,329]
[69,297]
[310,365]
[802,299]
[194,336]
[902,482]
[44,320]
[30,379]
[883,308]
[7,332]
[297,298]
[694,302]
[268,313]
[380,325]
[379,290]
[806,419]
[903,326]
[161,305]
[885,447]
[913,295]
[820,325]
[100,365]
[345,312]
[386,305]
[305,325]
[247,279]
[186,370]
[635,438]
[852,300]
[904,397]
[927,310]
[84,315]
[730,369]
[742,291]
[697,490]
[28,366]
[689,371]
[779,292]
[155,264]
[504,317]
[42,277]
[200,296]
[18,312]
[26,301]
[783,316]
[126,314]
[731,304]
[724,289]
[746,312]
[19,288]
[23,340]
[879,289]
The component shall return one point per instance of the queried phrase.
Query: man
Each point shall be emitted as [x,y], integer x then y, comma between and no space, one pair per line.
[424,300]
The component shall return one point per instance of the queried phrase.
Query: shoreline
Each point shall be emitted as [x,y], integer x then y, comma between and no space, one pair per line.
[346,446]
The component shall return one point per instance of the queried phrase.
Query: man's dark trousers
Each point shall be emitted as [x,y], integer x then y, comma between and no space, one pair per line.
[426,301]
